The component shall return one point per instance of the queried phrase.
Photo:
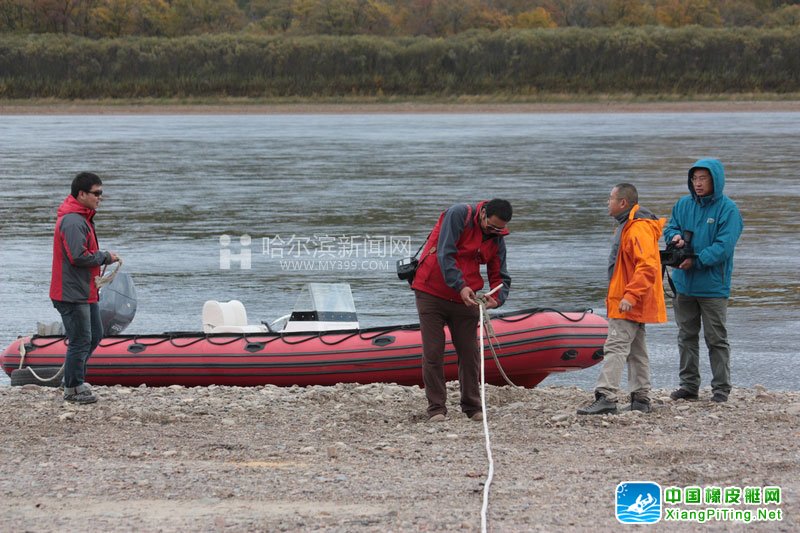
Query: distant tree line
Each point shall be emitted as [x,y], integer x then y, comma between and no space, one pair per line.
[690,60]
[174,18]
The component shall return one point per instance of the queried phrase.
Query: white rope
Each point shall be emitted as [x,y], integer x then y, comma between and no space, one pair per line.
[23,352]
[488,481]
[487,324]
[101,280]
[490,476]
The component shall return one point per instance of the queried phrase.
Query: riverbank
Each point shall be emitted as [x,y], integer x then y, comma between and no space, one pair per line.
[363,458]
[465,105]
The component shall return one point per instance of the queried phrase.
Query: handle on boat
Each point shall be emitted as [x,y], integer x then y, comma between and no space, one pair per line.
[271,324]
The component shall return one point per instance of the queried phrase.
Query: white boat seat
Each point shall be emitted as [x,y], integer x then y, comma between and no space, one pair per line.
[227,317]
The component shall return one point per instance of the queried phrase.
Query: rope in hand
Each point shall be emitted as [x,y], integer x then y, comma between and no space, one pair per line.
[486,324]
[102,280]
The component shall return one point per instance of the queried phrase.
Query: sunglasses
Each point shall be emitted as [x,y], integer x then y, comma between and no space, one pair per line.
[98,193]
[491,227]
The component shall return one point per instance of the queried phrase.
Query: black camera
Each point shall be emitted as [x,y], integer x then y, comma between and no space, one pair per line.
[407,268]
[674,256]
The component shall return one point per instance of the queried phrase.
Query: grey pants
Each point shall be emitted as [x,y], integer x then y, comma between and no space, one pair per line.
[625,344]
[712,313]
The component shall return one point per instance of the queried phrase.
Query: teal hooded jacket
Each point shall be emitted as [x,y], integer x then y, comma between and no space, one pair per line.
[717,225]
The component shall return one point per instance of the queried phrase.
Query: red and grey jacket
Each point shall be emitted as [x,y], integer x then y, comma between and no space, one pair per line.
[76,254]
[454,253]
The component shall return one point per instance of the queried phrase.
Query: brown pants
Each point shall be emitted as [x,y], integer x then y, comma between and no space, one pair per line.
[462,321]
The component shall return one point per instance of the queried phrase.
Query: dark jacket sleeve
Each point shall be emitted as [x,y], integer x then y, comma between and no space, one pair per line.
[498,273]
[74,232]
[446,249]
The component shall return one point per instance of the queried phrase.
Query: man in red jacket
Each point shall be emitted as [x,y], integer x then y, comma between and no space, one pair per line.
[76,262]
[464,238]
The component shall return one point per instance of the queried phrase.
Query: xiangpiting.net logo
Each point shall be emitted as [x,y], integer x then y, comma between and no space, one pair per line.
[638,502]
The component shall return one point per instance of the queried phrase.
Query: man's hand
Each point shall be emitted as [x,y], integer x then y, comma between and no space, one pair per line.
[678,241]
[113,258]
[625,305]
[468,297]
[687,264]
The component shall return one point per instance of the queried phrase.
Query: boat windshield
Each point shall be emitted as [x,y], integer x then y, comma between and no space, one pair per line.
[325,297]
[323,307]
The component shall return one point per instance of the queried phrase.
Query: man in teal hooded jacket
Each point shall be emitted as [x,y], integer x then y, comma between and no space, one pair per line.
[703,283]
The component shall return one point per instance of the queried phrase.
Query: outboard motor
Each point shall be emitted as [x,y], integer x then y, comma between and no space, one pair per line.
[117,304]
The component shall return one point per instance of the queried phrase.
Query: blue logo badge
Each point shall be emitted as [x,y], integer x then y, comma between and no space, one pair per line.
[638,502]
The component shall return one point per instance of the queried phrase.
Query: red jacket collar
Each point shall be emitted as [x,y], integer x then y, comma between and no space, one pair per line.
[71,205]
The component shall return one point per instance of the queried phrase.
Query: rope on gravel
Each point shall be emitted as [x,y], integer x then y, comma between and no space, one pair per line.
[485,324]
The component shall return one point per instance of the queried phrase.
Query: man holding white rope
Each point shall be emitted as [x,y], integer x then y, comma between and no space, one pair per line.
[465,237]
[76,263]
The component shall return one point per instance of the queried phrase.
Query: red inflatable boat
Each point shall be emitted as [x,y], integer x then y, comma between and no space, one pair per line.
[532,344]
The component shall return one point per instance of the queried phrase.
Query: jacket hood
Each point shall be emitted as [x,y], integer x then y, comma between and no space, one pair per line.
[717,174]
[71,205]
[638,212]
[641,215]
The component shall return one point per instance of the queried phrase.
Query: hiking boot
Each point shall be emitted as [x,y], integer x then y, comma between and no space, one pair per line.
[437,418]
[476,416]
[640,402]
[84,396]
[719,397]
[600,406]
[683,394]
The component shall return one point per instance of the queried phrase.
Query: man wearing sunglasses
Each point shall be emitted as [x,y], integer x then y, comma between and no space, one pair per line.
[449,273]
[76,262]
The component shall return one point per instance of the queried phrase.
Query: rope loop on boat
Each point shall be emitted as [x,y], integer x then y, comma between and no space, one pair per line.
[23,352]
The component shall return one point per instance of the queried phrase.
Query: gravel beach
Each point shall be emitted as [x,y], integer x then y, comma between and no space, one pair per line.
[364,458]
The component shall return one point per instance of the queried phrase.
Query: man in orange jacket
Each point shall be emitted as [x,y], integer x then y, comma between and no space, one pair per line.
[635,298]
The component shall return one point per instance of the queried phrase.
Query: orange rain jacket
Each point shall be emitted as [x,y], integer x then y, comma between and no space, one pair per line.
[637,272]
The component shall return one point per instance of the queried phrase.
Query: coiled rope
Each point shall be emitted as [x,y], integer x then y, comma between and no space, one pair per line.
[102,280]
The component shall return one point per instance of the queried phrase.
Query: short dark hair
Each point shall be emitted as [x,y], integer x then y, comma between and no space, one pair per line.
[627,191]
[84,181]
[499,208]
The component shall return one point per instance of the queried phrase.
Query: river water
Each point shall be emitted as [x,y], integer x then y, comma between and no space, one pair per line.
[330,198]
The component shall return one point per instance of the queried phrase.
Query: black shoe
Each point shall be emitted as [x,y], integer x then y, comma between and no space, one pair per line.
[719,397]
[683,394]
[85,396]
[600,406]
[639,403]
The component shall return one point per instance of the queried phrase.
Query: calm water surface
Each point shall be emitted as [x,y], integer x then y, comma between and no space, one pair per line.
[337,190]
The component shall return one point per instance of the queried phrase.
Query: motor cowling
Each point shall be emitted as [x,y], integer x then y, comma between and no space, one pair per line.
[117,304]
